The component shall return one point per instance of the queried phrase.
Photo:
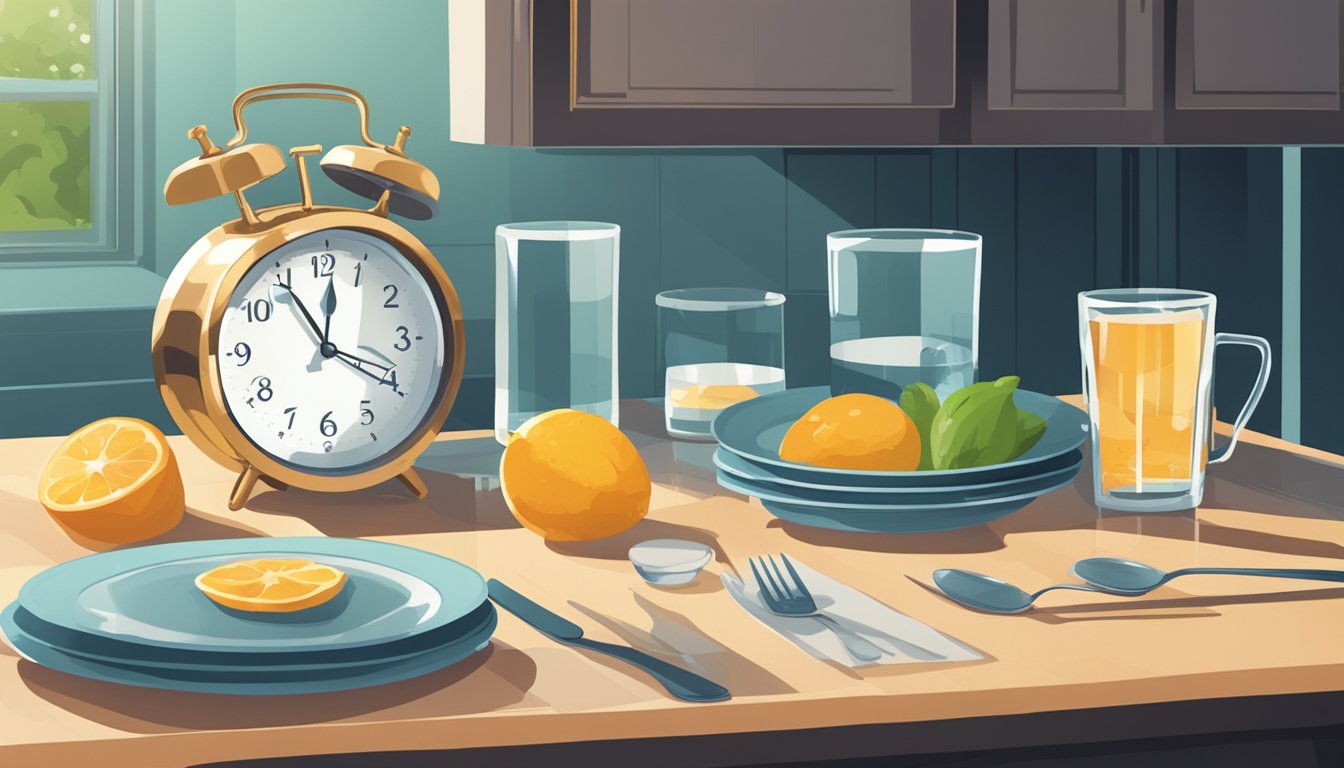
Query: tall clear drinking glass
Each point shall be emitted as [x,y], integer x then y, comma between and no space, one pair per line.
[555,320]
[905,307]
[719,346]
[1148,357]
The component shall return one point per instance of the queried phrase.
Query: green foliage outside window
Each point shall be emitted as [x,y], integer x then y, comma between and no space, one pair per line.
[44,145]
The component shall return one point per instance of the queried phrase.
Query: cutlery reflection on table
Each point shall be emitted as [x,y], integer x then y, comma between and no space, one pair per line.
[679,682]
[901,639]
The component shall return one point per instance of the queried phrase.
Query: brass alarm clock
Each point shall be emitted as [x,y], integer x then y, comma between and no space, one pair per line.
[316,346]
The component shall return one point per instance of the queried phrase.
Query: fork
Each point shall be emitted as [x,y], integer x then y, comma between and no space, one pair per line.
[787,596]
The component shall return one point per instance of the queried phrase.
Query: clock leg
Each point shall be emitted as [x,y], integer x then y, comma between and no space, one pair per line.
[243,488]
[411,480]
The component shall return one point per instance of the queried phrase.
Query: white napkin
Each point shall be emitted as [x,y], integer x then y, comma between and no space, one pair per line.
[903,639]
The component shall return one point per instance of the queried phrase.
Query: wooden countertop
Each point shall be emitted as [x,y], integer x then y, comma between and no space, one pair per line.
[1207,639]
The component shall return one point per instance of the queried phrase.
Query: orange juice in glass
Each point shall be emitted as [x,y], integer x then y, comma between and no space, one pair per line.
[1148,360]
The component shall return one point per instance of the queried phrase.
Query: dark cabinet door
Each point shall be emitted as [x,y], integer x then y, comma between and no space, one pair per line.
[1071,54]
[1258,54]
[763,53]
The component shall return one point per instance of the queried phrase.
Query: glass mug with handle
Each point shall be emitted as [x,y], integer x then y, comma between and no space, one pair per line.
[1148,363]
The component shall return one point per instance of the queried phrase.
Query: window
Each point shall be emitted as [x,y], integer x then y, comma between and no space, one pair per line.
[64,139]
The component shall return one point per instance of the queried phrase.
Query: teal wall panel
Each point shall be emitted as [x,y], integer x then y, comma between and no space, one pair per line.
[1056,258]
[722,219]
[193,83]
[985,191]
[904,189]
[1229,243]
[826,192]
[1322,405]
[807,339]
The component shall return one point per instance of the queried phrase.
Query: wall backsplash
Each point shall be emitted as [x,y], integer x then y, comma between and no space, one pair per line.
[1055,221]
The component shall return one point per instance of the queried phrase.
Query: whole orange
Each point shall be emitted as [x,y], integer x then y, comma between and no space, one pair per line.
[854,431]
[573,476]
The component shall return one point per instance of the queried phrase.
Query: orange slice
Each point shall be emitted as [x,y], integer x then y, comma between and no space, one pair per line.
[273,585]
[114,481]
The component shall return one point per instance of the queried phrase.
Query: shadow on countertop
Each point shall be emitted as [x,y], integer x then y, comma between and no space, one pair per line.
[456,690]
[462,477]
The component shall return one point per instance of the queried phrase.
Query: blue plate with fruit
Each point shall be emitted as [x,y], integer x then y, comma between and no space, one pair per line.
[1048,473]
[755,428]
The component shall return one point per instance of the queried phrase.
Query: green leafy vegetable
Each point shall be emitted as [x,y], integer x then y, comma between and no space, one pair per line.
[1030,427]
[920,403]
[976,426]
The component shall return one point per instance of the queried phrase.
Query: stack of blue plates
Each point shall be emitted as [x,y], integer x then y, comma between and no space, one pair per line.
[748,462]
[136,617]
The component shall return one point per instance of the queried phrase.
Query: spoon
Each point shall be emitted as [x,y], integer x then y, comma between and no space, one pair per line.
[1126,577]
[986,593]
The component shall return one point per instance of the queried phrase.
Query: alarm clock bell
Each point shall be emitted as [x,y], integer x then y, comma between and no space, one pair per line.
[200,295]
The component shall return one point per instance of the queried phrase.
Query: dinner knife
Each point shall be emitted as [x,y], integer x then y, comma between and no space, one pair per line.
[678,682]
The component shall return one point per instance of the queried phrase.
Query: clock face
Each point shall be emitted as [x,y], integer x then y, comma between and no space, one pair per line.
[331,351]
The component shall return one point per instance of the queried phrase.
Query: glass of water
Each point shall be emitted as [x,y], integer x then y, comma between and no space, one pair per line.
[719,346]
[555,320]
[905,306]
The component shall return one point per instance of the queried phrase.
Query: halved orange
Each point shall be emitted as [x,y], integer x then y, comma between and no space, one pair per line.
[114,481]
[274,585]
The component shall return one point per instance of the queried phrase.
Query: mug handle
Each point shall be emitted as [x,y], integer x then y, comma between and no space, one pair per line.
[1219,455]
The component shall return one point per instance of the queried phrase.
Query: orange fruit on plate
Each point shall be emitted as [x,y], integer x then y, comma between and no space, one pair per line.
[854,431]
[112,482]
[271,585]
[573,476]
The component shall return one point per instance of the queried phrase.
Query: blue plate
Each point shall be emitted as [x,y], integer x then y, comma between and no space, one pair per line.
[147,596]
[231,681]
[737,466]
[96,648]
[886,518]
[876,502]
[753,429]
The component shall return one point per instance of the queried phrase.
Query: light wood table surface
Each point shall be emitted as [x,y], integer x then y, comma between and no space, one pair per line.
[1201,654]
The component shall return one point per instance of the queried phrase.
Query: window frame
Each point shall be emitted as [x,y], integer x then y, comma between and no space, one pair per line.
[115,135]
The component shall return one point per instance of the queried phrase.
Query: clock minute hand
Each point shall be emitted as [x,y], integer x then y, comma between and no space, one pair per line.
[358,364]
[286,295]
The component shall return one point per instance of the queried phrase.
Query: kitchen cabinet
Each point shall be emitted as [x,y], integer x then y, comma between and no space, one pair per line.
[1250,54]
[671,72]
[1071,54]
[754,53]
[554,73]
[1253,72]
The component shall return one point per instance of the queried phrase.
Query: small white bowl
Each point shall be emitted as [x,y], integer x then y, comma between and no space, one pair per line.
[670,562]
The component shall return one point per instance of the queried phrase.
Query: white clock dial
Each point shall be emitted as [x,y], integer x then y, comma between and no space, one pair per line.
[331,351]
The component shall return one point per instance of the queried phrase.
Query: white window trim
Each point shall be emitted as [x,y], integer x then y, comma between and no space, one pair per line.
[116,134]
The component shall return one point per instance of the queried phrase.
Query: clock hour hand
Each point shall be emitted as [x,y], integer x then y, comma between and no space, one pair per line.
[283,294]
[328,308]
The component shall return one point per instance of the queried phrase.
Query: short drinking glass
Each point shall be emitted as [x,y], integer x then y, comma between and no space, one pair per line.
[555,320]
[720,346]
[904,307]
[1148,361]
